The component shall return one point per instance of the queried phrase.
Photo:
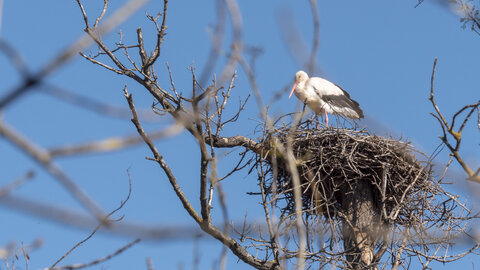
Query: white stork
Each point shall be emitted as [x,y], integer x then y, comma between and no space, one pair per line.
[323,96]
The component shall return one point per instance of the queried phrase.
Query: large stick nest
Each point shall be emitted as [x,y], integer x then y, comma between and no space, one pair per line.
[329,161]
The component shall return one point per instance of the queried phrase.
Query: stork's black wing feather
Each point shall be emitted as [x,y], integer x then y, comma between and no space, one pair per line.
[343,101]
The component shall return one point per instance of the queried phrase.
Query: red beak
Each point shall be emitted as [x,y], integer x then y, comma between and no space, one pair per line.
[293,89]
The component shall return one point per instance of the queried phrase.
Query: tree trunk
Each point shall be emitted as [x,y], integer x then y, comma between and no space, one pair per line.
[358,220]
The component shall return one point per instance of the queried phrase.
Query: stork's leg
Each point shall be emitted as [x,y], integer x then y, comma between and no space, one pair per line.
[316,120]
[326,118]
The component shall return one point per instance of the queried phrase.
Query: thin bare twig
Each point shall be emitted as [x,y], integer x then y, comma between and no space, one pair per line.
[99,260]
[104,9]
[448,129]
[16,183]
[103,222]
[217,39]
[161,33]
[237,44]
[316,36]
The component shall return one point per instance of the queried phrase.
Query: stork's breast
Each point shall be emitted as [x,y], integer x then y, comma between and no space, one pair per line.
[318,106]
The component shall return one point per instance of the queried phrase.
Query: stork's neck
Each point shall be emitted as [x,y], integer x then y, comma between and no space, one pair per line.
[301,86]
[301,91]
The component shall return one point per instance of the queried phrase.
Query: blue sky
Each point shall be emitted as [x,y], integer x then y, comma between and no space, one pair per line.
[381,52]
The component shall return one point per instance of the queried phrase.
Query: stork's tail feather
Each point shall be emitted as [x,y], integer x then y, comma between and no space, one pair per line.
[356,108]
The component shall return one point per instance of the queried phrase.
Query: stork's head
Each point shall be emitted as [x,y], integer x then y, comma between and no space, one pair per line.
[300,76]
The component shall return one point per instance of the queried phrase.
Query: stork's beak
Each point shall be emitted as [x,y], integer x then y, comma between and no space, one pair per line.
[293,89]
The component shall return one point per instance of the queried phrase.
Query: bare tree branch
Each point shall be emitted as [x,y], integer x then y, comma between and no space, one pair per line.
[100,260]
[84,41]
[75,219]
[204,224]
[159,159]
[14,56]
[448,129]
[93,105]
[217,39]
[112,144]
[316,36]
[105,221]
[43,158]
[16,183]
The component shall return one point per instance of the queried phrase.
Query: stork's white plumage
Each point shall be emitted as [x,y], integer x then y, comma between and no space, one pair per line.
[323,96]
